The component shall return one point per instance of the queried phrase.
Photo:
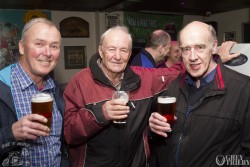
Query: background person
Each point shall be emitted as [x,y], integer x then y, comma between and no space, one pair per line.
[213,106]
[174,56]
[155,51]
[89,129]
[24,140]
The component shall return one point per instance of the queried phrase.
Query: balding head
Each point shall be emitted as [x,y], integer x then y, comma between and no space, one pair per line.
[197,28]
[157,38]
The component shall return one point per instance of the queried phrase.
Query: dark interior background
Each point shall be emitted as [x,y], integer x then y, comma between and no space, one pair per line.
[190,7]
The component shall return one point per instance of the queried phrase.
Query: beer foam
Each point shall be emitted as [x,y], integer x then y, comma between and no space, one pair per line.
[41,98]
[122,95]
[166,99]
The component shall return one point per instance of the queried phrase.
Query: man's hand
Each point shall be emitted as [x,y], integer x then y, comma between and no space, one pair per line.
[158,124]
[115,109]
[30,127]
[224,51]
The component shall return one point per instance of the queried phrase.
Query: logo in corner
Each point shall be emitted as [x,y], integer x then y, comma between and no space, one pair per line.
[220,160]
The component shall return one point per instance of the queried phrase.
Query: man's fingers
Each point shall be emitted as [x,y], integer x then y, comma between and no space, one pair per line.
[37,118]
[158,124]
[161,133]
[234,55]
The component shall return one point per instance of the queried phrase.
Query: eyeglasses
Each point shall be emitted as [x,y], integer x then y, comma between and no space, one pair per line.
[197,48]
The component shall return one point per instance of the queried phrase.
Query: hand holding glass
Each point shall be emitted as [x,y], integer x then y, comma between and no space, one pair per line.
[42,104]
[124,96]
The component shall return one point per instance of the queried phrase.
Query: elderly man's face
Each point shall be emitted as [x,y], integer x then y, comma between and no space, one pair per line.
[197,50]
[115,52]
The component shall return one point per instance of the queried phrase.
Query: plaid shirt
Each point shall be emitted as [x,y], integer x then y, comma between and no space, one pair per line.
[44,151]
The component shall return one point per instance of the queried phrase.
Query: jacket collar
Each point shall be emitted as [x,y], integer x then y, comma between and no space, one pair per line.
[131,81]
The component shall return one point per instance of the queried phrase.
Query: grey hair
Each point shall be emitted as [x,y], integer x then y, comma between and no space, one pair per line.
[117,27]
[212,32]
[157,38]
[30,23]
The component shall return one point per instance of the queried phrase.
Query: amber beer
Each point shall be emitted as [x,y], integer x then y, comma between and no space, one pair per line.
[166,106]
[42,104]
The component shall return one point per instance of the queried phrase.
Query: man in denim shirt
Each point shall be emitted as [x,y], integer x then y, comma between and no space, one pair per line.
[24,140]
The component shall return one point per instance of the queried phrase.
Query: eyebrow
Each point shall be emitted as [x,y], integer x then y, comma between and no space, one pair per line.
[193,45]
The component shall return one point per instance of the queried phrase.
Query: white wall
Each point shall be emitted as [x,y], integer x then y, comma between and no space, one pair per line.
[227,22]
[60,73]
[231,21]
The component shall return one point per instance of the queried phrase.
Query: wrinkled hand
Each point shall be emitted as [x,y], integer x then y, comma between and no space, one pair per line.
[224,51]
[29,127]
[115,109]
[158,124]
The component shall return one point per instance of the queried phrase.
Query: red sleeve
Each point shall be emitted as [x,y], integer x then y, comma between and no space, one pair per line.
[79,122]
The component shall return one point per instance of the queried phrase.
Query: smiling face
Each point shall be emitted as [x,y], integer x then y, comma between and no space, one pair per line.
[40,50]
[174,55]
[198,47]
[115,52]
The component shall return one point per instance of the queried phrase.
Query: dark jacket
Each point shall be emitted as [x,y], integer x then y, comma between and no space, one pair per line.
[8,117]
[216,130]
[95,142]
[143,59]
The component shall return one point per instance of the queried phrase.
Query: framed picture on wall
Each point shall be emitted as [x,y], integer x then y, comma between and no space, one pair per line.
[74,27]
[75,57]
[230,36]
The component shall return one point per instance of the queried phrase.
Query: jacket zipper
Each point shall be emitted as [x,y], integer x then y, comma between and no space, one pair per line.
[208,94]
[180,138]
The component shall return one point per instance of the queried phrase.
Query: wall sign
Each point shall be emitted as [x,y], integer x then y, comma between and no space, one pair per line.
[72,27]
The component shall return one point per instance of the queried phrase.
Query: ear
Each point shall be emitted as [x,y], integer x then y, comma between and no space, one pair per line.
[21,47]
[159,48]
[214,47]
[100,51]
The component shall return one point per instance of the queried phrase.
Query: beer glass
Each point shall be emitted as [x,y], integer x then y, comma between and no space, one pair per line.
[42,104]
[166,106]
[123,96]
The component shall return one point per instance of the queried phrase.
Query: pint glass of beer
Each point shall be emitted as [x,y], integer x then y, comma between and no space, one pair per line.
[42,104]
[166,106]
[123,96]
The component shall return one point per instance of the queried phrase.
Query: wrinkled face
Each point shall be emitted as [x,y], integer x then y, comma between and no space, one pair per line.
[115,52]
[197,50]
[40,50]
[175,53]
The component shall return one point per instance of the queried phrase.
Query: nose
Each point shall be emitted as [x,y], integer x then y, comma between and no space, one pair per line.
[46,51]
[118,54]
[193,55]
